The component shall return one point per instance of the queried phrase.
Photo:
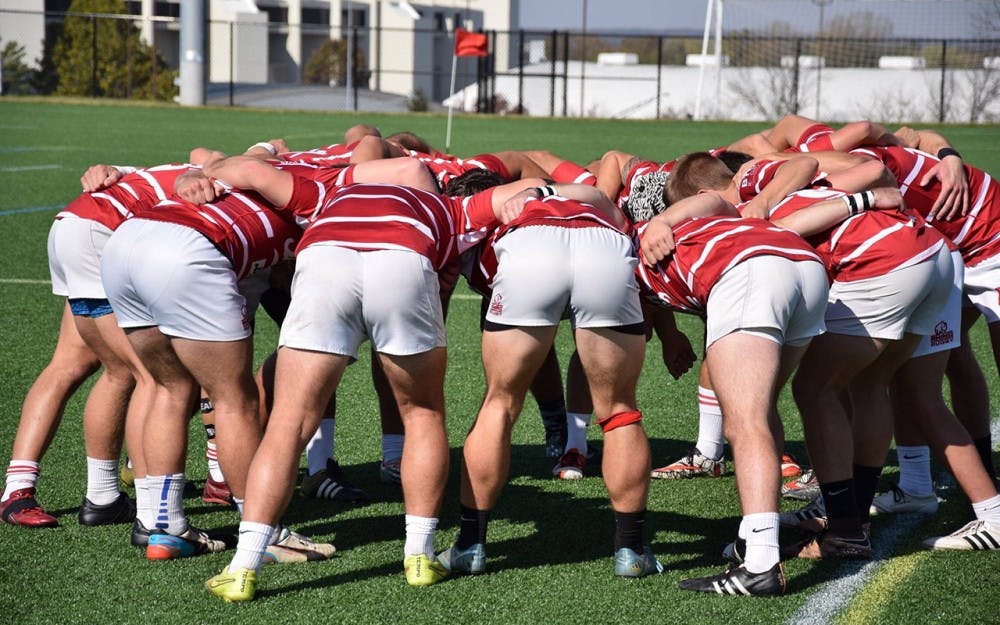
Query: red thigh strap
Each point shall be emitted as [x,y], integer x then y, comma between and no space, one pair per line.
[620,420]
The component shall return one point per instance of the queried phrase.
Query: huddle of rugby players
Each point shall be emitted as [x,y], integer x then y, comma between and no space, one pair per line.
[850,261]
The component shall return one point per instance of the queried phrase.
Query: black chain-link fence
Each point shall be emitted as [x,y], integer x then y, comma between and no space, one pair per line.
[551,73]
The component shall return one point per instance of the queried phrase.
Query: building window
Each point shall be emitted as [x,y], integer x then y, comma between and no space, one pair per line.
[167,9]
[276,15]
[316,16]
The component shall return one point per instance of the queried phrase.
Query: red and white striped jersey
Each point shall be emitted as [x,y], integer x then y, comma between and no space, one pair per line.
[390,217]
[815,138]
[244,226]
[132,194]
[976,234]
[550,211]
[335,155]
[444,167]
[870,244]
[645,178]
[708,247]
[760,174]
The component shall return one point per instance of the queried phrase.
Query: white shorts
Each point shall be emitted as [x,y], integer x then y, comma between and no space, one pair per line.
[75,248]
[773,297]
[982,287]
[170,276]
[543,269]
[947,334]
[341,296]
[903,301]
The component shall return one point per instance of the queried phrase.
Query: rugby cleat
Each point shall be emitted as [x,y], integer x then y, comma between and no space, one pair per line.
[571,465]
[332,484]
[191,542]
[127,474]
[897,501]
[420,570]
[288,546]
[694,464]
[804,488]
[828,546]
[119,511]
[978,535]
[628,563]
[389,471]
[789,467]
[238,585]
[471,560]
[216,492]
[735,551]
[22,509]
[140,534]
[736,580]
[811,518]
[555,436]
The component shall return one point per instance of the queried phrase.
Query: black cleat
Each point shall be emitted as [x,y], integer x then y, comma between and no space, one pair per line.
[119,511]
[140,534]
[736,580]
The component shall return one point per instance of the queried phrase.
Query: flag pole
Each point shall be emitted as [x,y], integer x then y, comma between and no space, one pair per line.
[451,101]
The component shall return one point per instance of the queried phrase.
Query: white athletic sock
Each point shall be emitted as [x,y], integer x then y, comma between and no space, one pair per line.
[212,458]
[254,539]
[710,441]
[143,503]
[915,469]
[392,447]
[102,481]
[762,541]
[576,431]
[166,494]
[20,474]
[420,535]
[239,505]
[320,446]
[742,532]
[988,510]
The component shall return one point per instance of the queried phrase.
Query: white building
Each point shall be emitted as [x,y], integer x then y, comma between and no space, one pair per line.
[270,41]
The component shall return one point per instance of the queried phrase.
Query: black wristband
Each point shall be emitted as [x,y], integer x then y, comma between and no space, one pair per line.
[943,152]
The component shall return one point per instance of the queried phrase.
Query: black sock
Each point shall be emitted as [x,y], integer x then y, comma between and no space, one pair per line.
[984,446]
[865,484]
[553,414]
[841,506]
[472,529]
[629,528]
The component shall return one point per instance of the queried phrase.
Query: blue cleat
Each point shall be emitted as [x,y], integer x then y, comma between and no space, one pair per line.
[628,563]
[471,560]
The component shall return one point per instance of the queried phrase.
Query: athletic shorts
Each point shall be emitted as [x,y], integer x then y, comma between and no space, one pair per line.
[75,248]
[907,300]
[947,334]
[770,296]
[982,287]
[542,270]
[341,296]
[171,276]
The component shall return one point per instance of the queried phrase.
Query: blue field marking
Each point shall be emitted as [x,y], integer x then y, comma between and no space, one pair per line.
[33,209]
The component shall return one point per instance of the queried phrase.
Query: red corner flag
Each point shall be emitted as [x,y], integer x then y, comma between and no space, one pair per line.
[469,43]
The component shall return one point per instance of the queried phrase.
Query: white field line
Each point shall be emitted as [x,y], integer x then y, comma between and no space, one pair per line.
[28,168]
[831,598]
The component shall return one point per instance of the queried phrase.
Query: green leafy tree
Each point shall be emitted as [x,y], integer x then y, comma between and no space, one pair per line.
[102,56]
[328,65]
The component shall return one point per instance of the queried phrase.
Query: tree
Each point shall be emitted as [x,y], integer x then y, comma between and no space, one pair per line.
[104,56]
[328,65]
[18,77]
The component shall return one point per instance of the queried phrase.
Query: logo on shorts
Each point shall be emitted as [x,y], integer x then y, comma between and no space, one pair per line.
[496,305]
[942,335]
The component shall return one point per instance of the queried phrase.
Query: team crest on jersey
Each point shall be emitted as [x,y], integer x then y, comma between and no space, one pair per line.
[496,305]
[942,335]
[645,198]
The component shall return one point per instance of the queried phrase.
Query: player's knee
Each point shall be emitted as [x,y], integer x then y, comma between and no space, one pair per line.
[618,420]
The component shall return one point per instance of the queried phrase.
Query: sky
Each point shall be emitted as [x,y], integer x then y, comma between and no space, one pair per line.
[916,18]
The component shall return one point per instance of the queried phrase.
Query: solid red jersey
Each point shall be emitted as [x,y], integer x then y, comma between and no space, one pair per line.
[976,234]
[870,244]
[708,247]
[390,217]
[132,194]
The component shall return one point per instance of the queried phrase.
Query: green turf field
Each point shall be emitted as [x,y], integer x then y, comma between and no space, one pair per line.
[550,541]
